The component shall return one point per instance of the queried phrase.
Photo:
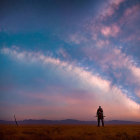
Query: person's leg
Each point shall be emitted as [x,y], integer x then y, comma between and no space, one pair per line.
[102,122]
[98,122]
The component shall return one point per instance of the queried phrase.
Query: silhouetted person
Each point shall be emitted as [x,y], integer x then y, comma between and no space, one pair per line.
[100,116]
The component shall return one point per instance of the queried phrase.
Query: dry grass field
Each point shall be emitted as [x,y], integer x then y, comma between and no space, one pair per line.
[69,132]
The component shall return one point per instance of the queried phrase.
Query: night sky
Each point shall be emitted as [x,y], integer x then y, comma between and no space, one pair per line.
[61,59]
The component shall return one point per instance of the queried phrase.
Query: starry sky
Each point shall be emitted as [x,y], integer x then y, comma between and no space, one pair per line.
[61,59]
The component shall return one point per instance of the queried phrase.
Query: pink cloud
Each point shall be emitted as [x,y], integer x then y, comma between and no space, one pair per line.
[109,11]
[63,107]
[112,56]
[138,92]
[63,53]
[131,37]
[112,30]
[106,31]
[115,59]
[77,38]
[102,43]
[132,10]
[110,8]
[130,16]
[135,71]
[117,2]
[97,90]
[130,20]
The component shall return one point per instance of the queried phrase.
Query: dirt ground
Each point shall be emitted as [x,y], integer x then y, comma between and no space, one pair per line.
[69,132]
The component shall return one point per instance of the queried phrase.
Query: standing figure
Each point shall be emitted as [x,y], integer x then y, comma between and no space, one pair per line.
[100,116]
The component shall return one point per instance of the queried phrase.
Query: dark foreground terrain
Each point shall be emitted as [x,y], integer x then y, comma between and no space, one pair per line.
[69,132]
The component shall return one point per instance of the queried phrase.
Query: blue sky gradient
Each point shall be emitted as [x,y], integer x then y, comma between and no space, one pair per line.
[63,58]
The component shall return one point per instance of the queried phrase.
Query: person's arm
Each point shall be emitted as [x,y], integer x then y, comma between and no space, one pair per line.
[102,111]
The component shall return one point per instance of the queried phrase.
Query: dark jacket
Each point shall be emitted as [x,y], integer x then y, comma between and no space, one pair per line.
[99,112]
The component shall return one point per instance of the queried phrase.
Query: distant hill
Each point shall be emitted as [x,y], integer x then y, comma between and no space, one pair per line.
[67,121]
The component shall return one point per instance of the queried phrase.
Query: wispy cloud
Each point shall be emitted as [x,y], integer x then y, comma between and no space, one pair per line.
[112,30]
[131,11]
[100,90]
[130,21]
[138,92]
[109,8]
[72,62]
[77,38]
